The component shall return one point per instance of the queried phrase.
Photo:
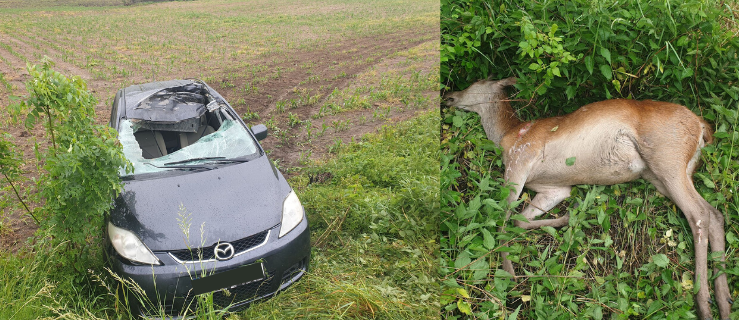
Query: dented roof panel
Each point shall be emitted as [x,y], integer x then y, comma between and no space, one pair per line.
[167,101]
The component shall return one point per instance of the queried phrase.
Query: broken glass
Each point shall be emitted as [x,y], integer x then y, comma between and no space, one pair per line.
[231,140]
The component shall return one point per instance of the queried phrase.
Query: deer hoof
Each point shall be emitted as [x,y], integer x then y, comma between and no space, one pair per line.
[730,301]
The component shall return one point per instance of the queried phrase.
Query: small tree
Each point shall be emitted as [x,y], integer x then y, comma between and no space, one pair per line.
[80,177]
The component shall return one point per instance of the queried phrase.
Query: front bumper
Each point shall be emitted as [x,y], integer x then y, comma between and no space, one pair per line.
[168,287]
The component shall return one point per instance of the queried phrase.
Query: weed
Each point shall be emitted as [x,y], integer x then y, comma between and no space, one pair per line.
[283,136]
[336,147]
[5,83]
[339,76]
[271,124]
[280,106]
[305,157]
[227,84]
[341,125]
[250,88]
[324,126]
[293,120]
[249,115]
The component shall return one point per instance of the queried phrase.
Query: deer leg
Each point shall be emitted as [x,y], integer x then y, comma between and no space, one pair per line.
[518,182]
[711,228]
[717,239]
[545,199]
[699,218]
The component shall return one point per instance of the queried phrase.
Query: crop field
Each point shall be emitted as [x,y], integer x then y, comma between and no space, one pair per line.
[321,75]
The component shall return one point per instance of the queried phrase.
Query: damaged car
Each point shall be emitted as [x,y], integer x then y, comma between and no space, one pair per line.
[204,210]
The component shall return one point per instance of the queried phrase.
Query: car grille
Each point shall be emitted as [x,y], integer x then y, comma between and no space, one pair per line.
[243,293]
[293,271]
[207,253]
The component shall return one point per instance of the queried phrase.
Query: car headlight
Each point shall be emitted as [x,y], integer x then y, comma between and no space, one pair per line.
[292,213]
[129,246]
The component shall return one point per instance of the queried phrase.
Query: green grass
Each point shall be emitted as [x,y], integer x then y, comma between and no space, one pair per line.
[373,228]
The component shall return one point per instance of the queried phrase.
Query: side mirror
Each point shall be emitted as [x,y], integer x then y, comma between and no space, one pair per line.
[260,131]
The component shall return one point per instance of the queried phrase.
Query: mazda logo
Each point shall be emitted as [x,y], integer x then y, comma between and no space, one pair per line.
[224,251]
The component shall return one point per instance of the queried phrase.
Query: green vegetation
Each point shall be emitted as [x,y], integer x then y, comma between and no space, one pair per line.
[628,251]
[80,172]
[79,177]
[373,211]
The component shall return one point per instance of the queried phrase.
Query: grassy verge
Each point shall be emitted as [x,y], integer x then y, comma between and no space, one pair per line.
[374,215]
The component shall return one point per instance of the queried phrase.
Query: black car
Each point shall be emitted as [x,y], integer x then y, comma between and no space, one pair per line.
[204,210]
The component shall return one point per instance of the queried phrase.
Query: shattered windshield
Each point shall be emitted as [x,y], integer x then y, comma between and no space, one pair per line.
[230,141]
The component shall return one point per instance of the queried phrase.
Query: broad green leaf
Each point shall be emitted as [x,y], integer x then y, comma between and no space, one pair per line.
[706,181]
[457,121]
[464,307]
[606,54]
[555,71]
[462,260]
[660,260]
[589,64]
[463,292]
[550,230]
[570,91]
[606,71]
[488,239]
[480,269]
[514,315]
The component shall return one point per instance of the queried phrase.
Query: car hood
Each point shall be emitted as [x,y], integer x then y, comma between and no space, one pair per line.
[227,203]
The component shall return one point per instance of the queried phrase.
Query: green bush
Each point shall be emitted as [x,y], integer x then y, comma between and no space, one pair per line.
[628,252]
[80,176]
[569,53]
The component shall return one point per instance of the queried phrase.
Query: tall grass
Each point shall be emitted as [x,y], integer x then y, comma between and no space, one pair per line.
[374,219]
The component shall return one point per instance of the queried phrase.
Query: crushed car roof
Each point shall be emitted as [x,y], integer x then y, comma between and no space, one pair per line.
[166,101]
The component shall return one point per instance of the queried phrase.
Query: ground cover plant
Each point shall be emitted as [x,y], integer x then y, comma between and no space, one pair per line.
[269,60]
[373,211]
[627,251]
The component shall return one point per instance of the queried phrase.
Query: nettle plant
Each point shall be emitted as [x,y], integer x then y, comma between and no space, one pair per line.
[79,179]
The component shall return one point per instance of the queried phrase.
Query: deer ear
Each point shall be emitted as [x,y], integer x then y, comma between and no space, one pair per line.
[508,81]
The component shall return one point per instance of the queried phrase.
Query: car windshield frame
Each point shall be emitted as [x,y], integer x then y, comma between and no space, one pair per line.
[231,141]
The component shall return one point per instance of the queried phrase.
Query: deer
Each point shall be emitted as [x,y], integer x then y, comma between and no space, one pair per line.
[611,142]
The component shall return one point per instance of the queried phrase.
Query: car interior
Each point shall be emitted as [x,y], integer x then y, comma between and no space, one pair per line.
[160,138]
[158,143]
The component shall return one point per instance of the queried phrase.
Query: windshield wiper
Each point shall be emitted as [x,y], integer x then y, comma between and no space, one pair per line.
[188,166]
[211,159]
[194,159]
